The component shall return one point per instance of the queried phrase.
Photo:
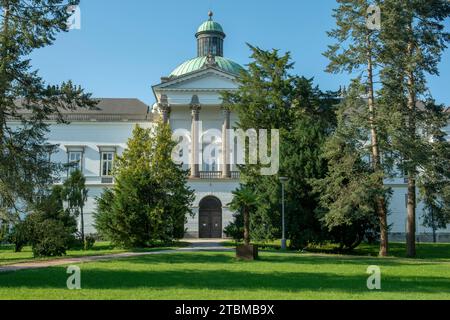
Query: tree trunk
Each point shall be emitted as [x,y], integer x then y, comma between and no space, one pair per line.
[3,76]
[411,206]
[246,228]
[434,235]
[433,226]
[411,225]
[82,224]
[376,162]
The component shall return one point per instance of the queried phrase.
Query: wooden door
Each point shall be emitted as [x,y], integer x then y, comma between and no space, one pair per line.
[210,218]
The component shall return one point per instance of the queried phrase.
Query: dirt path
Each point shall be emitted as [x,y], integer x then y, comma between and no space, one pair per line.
[195,246]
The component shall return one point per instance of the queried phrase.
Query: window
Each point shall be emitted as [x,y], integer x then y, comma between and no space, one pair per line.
[107,164]
[75,158]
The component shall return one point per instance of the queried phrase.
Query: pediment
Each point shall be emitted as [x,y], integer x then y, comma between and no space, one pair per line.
[209,79]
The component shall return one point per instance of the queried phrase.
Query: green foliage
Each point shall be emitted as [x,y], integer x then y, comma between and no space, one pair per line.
[357,52]
[25,170]
[89,242]
[349,191]
[235,230]
[150,199]
[269,97]
[413,39]
[49,229]
[355,43]
[435,176]
[76,194]
[48,237]
[244,201]
[19,236]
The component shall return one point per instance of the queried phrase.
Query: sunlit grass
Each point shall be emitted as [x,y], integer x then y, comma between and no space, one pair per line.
[209,275]
[8,256]
[424,250]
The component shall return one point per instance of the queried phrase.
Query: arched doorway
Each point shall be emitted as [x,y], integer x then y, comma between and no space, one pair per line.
[210,218]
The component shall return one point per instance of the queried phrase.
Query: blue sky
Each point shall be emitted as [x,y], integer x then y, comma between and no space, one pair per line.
[124,47]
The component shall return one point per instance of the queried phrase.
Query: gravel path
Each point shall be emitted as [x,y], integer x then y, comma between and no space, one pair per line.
[195,246]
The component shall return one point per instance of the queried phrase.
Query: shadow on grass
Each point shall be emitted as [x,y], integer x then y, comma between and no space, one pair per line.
[104,279]
[424,250]
[125,274]
[276,258]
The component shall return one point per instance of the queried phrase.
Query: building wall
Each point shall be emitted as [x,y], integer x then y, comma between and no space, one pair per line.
[222,190]
[93,134]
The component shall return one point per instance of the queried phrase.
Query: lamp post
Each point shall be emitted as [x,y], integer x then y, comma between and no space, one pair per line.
[283,181]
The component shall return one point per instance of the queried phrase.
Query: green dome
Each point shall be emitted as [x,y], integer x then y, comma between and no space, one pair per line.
[210,26]
[200,62]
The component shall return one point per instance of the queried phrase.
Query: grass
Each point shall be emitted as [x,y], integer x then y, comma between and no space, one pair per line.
[214,275]
[398,250]
[8,256]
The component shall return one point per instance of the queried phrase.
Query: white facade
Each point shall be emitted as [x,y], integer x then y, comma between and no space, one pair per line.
[179,100]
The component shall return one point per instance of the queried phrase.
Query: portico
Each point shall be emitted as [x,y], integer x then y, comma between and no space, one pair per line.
[190,99]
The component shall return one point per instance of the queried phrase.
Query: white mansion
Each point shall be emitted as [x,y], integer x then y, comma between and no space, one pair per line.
[190,93]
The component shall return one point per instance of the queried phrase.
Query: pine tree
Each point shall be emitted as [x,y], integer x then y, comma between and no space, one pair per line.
[434,180]
[357,51]
[28,101]
[349,192]
[413,39]
[150,200]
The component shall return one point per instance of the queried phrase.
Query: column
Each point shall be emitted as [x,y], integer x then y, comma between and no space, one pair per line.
[165,113]
[165,109]
[226,172]
[195,135]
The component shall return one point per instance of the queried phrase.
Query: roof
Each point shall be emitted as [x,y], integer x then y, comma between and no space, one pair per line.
[210,26]
[107,109]
[198,63]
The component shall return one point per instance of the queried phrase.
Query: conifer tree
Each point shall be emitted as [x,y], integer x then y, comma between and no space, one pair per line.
[434,180]
[270,97]
[357,52]
[349,192]
[413,39]
[26,101]
[76,195]
[150,200]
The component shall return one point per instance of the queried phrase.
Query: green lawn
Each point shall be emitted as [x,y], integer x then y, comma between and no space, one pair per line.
[214,275]
[8,256]
[398,250]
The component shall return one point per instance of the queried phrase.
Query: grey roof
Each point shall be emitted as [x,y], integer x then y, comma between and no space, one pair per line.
[108,109]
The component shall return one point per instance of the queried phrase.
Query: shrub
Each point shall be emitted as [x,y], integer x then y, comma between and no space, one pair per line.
[18,236]
[89,242]
[49,238]
[235,230]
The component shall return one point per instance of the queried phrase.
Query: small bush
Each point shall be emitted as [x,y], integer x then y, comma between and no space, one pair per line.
[18,236]
[235,230]
[50,238]
[89,242]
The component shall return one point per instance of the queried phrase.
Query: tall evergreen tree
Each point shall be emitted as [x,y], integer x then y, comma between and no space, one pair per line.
[269,97]
[357,51]
[25,169]
[413,39]
[150,200]
[350,190]
[434,180]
